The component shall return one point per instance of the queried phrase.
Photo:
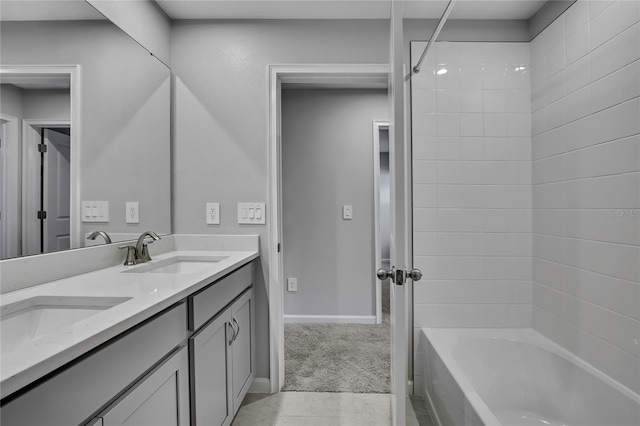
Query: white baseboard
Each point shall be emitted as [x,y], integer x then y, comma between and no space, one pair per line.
[330,319]
[260,385]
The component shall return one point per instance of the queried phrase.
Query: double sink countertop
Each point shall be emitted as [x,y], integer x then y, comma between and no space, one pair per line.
[103,304]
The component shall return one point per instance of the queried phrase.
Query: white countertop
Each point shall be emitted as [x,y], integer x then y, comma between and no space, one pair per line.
[150,293]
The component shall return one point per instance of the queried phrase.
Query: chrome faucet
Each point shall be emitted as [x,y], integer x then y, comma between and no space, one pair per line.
[94,235]
[142,251]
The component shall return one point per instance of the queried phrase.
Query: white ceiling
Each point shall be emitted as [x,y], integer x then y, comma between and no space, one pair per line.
[47,10]
[345,9]
[37,10]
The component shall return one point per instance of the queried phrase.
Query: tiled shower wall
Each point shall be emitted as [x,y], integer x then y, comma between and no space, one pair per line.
[586,185]
[471,135]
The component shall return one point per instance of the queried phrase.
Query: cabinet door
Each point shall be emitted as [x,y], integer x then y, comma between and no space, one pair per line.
[160,398]
[211,372]
[242,312]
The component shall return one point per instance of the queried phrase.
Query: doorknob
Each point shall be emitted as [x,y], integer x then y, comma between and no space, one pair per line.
[415,274]
[383,274]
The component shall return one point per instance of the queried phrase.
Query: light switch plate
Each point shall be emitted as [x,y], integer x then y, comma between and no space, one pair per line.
[132,211]
[213,213]
[95,211]
[347,212]
[251,213]
[292,284]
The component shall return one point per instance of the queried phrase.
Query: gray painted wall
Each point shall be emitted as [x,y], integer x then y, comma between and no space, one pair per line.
[219,150]
[143,20]
[49,104]
[11,100]
[327,162]
[35,104]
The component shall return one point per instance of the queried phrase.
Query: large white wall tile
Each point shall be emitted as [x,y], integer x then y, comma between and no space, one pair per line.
[605,26]
[576,16]
[616,53]
[629,13]
[617,87]
[580,74]
[598,6]
[577,45]
[555,47]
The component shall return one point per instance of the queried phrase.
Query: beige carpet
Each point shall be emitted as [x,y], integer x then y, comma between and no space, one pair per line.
[338,357]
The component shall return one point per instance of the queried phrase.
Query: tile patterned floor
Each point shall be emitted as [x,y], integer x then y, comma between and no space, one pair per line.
[323,409]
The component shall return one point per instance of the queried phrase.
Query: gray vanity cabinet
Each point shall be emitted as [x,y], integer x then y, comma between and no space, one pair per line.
[222,348]
[160,398]
[211,362]
[223,363]
[242,313]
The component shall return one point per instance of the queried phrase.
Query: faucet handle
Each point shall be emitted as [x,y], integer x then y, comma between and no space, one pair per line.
[131,255]
[145,256]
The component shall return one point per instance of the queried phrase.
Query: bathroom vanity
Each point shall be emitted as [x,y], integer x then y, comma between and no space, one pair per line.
[169,341]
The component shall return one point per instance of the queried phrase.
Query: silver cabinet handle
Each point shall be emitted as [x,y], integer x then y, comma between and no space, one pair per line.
[233,333]
[235,336]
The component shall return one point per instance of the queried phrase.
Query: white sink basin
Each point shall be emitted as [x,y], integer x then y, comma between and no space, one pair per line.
[29,319]
[177,265]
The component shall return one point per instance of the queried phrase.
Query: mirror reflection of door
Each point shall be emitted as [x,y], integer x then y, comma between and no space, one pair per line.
[55,233]
[46,189]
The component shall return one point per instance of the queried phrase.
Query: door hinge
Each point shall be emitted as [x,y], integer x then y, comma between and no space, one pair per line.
[42,147]
[279,247]
[42,214]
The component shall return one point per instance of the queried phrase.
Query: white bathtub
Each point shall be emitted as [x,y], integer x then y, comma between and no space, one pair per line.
[517,377]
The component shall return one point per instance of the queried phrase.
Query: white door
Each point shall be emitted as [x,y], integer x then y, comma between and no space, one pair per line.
[3,237]
[399,185]
[57,188]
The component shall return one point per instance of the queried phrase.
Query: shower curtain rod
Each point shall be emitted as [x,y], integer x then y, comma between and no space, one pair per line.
[443,19]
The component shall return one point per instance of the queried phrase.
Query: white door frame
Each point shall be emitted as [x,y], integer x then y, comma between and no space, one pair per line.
[363,76]
[11,178]
[73,71]
[377,125]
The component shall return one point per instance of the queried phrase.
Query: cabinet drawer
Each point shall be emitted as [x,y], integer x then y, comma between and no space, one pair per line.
[211,300]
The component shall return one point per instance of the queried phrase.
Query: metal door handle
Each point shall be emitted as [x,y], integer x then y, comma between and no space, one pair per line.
[415,274]
[383,274]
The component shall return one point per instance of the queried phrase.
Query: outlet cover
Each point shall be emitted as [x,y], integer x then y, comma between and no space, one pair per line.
[213,213]
[292,284]
[132,212]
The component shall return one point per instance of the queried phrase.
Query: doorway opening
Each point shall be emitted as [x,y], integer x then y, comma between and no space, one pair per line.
[335,336]
[382,209]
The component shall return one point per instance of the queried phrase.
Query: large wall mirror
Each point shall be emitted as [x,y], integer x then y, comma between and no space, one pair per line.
[84,128]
